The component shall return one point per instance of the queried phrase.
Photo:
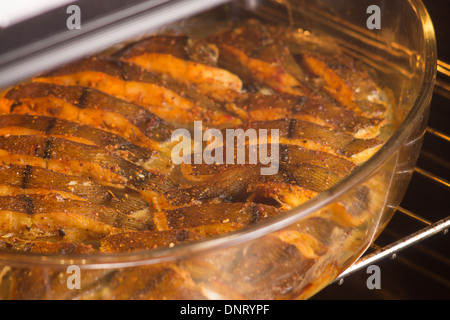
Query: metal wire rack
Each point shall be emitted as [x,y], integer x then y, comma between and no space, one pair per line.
[429,228]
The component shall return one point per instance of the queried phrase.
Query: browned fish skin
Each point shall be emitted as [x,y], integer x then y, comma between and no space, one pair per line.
[146,240]
[168,56]
[288,154]
[274,107]
[49,247]
[66,156]
[125,71]
[156,282]
[172,101]
[34,216]
[179,46]
[320,138]
[258,58]
[211,219]
[228,185]
[173,45]
[32,283]
[13,124]
[25,179]
[347,83]
[251,274]
[239,183]
[89,106]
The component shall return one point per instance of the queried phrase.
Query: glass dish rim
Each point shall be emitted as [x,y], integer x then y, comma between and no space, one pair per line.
[177,253]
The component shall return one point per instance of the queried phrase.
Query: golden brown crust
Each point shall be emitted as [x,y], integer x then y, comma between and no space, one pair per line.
[170,99]
[86,167]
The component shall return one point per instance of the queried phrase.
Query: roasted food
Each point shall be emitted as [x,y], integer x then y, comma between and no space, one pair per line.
[87,162]
[260,59]
[262,107]
[178,58]
[171,99]
[88,106]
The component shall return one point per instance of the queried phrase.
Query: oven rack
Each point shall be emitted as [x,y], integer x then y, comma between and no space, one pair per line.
[429,228]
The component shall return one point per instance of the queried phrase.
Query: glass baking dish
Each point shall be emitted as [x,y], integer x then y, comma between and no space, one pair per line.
[403,54]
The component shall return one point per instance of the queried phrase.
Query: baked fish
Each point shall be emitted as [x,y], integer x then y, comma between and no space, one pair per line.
[259,59]
[170,100]
[310,135]
[16,124]
[177,57]
[91,107]
[86,166]
[262,107]
[26,179]
[35,216]
[66,156]
[347,83]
